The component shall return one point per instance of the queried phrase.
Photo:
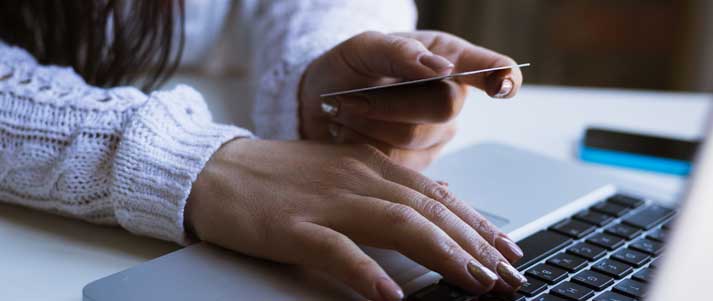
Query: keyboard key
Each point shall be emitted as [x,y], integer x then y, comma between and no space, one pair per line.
[540,245]
[655,263]
[612,296]
[631,257]
[643,275]
[610,242]
[491,297]
[594,218]
[572,291]
[624,231]
[649,217]
[547,273]
[630,288]
[657,235]
[626,200]
[532,287]
[548,297]
[611,209]
[587,251]
[568,262]
[593,280]
[647,246]
[612,268]
[573,228]
[667,225]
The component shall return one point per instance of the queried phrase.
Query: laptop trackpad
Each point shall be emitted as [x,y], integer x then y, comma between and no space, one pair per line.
[513,187]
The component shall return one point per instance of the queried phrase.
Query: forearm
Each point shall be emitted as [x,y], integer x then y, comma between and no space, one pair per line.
[289,35]
[109,156]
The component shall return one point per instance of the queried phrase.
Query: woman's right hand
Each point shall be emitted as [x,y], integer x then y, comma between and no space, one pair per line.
[310,204]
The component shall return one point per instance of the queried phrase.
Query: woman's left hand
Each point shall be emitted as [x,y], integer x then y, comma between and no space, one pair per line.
[409,124]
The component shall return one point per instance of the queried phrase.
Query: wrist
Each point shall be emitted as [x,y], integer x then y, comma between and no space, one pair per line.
[200,202]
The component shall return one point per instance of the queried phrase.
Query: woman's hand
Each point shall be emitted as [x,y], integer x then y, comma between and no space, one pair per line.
[310,204]
[409,124]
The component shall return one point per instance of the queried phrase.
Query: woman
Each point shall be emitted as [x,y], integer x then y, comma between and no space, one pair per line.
[76,142]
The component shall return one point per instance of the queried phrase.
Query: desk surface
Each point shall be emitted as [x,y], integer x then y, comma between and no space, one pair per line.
[45,257]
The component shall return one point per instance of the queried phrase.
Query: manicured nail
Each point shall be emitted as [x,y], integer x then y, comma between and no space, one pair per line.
[484,275]
[330,107]
[508,248]
[333,129]
[505,88]
[437,63]
[511,276]
[389,291]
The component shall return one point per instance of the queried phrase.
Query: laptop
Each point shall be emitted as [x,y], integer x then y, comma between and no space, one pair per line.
[586,236]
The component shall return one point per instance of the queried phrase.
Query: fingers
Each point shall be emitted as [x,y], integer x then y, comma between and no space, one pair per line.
[499,84]
[443,217]
[436,102]
[464,211]
[416,159]
[376,54]
[453,225]
[339,256]
[399,227]
[399,135]
[467,57]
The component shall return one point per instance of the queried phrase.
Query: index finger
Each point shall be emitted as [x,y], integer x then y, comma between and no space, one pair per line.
[468,214]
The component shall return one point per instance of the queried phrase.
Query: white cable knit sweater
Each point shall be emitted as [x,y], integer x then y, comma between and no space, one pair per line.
[118,156]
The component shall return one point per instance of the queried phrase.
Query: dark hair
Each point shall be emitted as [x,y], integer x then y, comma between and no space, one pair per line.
[108,42]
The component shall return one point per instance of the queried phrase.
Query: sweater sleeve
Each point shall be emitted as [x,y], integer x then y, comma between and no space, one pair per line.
[288,35]
[107,156]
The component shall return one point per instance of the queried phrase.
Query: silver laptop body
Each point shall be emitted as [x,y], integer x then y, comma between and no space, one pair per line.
[519,191]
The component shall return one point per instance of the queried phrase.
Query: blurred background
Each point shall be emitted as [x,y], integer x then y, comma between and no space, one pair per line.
[642,44]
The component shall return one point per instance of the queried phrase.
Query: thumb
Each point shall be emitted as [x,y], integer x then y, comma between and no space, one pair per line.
[378,55]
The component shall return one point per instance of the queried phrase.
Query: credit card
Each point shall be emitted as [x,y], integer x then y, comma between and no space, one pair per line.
[423,80]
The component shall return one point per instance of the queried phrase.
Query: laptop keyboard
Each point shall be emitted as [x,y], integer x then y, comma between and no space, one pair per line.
[608,252]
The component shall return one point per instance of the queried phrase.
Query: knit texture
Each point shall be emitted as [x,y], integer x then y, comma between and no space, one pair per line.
[107,156]
[120,157]
[289,34]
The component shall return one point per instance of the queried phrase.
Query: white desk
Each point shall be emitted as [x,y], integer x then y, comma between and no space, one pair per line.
[44,257]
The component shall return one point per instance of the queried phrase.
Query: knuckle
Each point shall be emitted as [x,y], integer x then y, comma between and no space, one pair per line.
[372,156]
[486,253]
[450,250]
[485,228]
[402,44]
[361,268]
[399,214]
[331,244]
[350,164]
[435,210]
[441,193]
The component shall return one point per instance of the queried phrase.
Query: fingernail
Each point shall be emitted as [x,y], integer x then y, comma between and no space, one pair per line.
[442,183]
[484,275]
[333,129]
[330,107]
[389,291]
[437,63]
[505,88]
[508,273]
[354,104]
[508,248]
